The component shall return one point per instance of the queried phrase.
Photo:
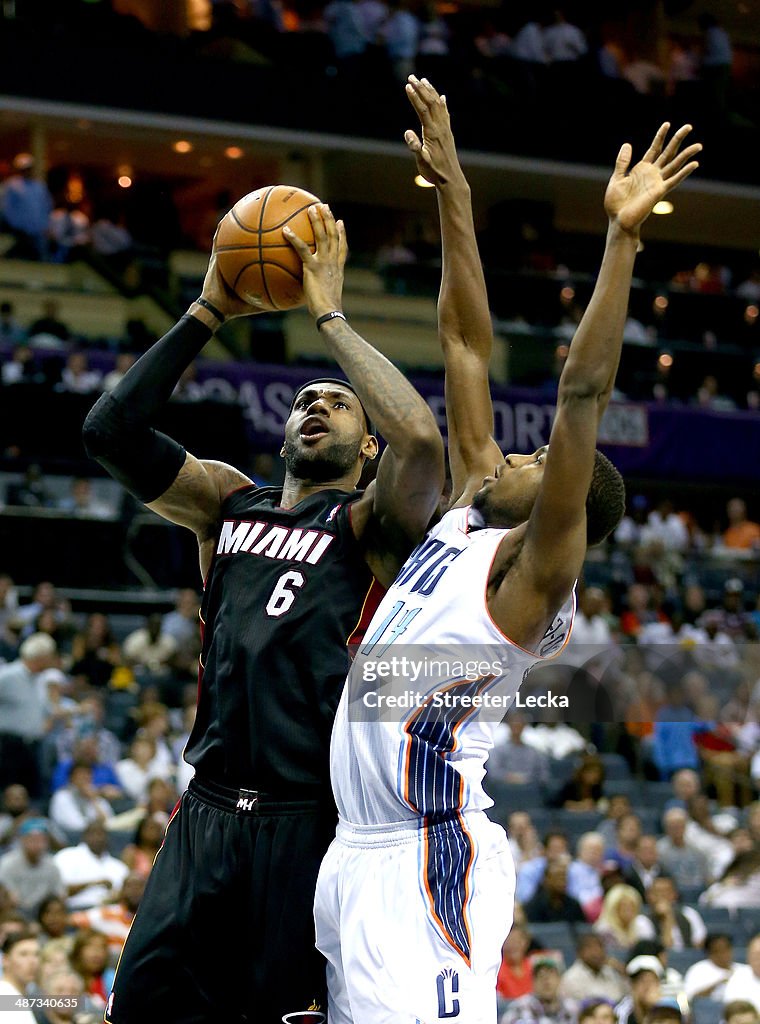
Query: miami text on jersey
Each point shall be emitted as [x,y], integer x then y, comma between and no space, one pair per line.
[282,542]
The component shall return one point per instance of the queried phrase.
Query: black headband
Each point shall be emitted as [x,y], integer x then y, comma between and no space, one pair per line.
[333,380]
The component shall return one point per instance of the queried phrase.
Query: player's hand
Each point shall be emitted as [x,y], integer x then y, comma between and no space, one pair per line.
[221,296]
[632,194]
[436,154]
[323,268]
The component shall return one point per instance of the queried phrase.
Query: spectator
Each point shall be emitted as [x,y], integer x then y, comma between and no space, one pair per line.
[89,958]
[515,761]
[667,527]
[563,42]
[555,739]
[141,852]
[676,926]
[627,835]
[592,975]
[11,332]
[530,873]
[77,377]
[77,804]
[49,331]
[95,652]
[619,804]
[591,631]
[639,611]
[739,886]
[136,771]
[89,871]
[113,919]
[646,974]
[528,44]
[83,502]
[22,712]
[123,362]
[675,727]
[104,778]
[516,972]
[645,866]
[21,368]
[523,839]
[620,921]
[149,651]
[53,920]
[740,1012]
[717,58]
[372,15]
[87,725]
[600,1012]
[183,622]
[744,983]
[706,979]
[551,902]
[346,32]
[44,598]
[702,833]
[685,864]
[111,240]
[742,534]
[62,984]
[21,961]
[584,874]
[31,492]
[401,33]
[26,206]
[666,1012]
[16,809]
[68,232]
[545,1005]
[28,871]
[585,789]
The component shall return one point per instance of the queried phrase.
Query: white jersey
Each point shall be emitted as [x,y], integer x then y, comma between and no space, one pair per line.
[430,683]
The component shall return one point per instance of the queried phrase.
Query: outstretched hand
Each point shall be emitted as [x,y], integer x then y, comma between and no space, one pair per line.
[435,153]
[632,194]
[323,268]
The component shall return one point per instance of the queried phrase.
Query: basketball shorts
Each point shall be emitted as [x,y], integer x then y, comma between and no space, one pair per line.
[225,930]
[412,921]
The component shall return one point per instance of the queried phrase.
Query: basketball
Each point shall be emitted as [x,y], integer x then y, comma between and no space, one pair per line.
[254,257]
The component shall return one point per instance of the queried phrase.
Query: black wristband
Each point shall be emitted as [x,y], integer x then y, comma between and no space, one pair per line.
[212,309]
[335,315]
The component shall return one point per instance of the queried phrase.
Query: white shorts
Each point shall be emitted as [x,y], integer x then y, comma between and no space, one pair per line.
[412,921]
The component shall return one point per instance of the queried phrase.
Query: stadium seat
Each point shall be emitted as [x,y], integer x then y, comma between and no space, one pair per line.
[632,788]
[615,767]
[557,935]
[706,1011]
[748,921]
[718,919]
[690,895]
[682,959]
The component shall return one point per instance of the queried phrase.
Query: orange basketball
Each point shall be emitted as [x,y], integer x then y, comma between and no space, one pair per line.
[254,257]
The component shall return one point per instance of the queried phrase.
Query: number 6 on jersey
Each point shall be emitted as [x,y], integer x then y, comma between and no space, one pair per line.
[284,593]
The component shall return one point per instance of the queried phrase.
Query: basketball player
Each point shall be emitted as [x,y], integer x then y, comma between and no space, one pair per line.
[415,895]
[225,930]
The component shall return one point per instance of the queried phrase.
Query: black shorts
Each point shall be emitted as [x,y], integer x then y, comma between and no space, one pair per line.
[225,930]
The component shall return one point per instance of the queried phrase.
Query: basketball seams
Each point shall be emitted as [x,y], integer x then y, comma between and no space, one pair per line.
[258,260]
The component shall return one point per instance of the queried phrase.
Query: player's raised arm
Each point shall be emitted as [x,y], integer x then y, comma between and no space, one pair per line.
[464,319]
[397,508]
[571,470]
[119,433]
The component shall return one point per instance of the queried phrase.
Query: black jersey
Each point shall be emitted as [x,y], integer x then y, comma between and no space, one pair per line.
[286,590]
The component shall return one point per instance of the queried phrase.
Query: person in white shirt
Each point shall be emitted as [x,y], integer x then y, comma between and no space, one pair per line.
[706,979]
[590,629]
[136,771]
[91,875]
[744,983]
[21,961]
[77,803]
[563,42]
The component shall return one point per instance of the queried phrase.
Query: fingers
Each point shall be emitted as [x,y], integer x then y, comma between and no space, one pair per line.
[298,243]
[412,140]
[657,143]
[673,146]
[316,216]
[623,159]
[342,243]
[681,158]
[683,173]
[424,98]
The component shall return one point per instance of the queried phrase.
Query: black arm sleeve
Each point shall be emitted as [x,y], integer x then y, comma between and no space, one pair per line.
[118,432]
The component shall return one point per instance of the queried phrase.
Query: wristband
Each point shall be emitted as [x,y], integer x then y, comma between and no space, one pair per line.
[212,309]
[335,315]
